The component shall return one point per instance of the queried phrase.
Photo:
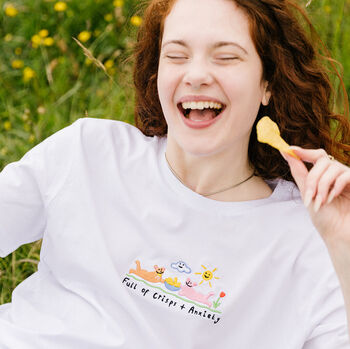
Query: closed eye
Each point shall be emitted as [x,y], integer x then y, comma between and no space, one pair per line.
[228,58]
[175,57]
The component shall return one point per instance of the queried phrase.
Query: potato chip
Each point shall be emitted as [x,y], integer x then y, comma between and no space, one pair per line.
[268,132]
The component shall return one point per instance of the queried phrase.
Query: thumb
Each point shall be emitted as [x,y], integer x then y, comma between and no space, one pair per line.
[298,170]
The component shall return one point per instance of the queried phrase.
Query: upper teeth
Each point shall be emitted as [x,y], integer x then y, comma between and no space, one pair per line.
[201,105]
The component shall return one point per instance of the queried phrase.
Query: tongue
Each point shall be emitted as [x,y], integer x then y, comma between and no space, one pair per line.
[202,115]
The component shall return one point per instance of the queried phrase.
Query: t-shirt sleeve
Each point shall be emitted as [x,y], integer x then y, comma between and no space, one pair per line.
[27,185]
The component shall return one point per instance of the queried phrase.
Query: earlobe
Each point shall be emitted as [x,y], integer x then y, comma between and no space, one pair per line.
[266,96]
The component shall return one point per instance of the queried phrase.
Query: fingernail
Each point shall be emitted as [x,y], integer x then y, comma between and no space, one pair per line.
[318,202]
[308,197]
[330,197]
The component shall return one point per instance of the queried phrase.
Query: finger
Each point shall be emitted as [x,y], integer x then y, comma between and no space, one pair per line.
[313,178]
[325,185]
[339,185]
[309,155]
[298,170]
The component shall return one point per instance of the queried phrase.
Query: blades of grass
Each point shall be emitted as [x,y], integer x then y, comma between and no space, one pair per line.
[69,93]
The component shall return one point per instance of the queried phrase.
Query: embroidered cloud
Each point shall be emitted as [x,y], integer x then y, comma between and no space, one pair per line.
[181,266]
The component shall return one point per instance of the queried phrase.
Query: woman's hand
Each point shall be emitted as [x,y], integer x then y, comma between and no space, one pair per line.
[325,190]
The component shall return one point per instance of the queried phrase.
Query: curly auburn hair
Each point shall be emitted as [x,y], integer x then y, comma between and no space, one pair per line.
[301,101]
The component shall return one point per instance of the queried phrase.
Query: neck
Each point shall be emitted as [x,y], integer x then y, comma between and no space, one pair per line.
[211,173]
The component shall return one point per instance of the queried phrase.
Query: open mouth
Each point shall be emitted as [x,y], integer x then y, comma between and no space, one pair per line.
[186,112]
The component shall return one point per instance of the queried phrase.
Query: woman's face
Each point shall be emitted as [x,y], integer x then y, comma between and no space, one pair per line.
[207,51]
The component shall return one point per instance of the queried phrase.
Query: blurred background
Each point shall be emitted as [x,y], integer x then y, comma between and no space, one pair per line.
[63,60]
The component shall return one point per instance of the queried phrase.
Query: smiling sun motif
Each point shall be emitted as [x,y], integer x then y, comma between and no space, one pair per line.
[207,275]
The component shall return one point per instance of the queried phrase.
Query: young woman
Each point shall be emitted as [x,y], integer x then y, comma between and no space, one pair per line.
[186,232]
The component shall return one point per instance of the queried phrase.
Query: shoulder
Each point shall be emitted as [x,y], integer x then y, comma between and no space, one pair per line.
[91,136]
[104,130]
[283,190]
[88,131]
[93,123]
[98,138]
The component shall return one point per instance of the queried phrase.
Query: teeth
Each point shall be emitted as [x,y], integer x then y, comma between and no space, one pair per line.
[201,105]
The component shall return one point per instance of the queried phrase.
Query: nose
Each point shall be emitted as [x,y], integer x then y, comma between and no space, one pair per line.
[198,74]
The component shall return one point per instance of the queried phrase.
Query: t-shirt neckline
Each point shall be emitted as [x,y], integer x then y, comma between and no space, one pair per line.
[203,203]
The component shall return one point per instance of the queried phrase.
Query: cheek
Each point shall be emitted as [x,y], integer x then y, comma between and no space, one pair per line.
[242,83]
[245,95]
[164,84]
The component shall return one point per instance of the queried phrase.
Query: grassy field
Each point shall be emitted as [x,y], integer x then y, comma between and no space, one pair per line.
[47,82]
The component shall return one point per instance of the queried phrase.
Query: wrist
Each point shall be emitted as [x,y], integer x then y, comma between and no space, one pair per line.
[339,251]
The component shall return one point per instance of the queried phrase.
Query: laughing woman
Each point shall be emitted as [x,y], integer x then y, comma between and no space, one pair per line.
[185,231]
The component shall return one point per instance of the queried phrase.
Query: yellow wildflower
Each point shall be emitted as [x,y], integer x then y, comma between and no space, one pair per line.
[17,64]
[327,9]
[4,151]
[60,6]
[8,37]
[49,41]
[84,36]
[18,51]
[36,40]
[118,3]
[136,21]
[108,17]
[11,11]
[28,74]
[88,61]
[7,125]
[43,33]
[31,138]
[109,64]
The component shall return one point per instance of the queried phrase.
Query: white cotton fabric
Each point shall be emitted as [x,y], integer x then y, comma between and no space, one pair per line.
[252,274]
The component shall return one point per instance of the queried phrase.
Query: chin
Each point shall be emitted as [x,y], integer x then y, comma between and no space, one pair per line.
[200,149]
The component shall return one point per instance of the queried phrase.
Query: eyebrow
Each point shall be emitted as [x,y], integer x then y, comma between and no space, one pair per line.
[216,45]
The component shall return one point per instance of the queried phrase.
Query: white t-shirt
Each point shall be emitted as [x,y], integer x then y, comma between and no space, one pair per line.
[132,258]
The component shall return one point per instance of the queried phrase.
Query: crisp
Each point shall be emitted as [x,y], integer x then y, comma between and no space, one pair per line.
[268,132]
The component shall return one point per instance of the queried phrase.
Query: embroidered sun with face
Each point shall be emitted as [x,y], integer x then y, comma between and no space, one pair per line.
[207,275]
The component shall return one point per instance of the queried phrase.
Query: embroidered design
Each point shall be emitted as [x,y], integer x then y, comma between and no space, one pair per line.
[207,275]
[177,295]
[181,266]
[172,284]
[189,292]
[152,276]
[217,303]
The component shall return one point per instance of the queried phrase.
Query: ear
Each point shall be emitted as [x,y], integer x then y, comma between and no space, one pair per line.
[267,94]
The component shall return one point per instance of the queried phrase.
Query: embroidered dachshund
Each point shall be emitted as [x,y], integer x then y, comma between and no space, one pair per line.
[152,276]
[188,291]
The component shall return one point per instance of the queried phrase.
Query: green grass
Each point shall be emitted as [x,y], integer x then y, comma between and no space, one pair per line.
[67,86]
